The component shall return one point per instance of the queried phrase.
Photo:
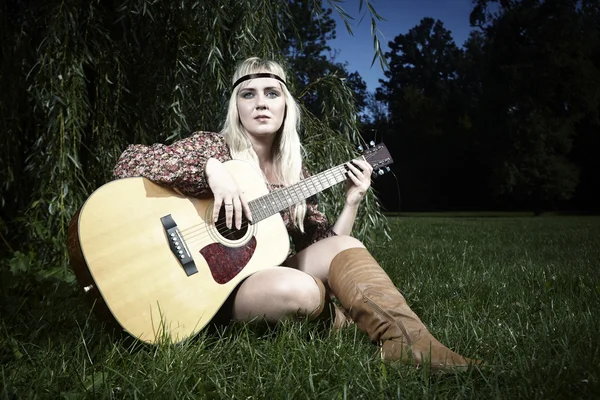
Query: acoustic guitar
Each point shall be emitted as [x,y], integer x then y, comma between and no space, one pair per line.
[153,261]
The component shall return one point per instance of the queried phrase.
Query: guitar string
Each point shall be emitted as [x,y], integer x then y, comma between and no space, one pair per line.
[280,204]
[197,232]
[200,231]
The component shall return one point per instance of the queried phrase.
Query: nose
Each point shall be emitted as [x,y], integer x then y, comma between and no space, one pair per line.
[261,103]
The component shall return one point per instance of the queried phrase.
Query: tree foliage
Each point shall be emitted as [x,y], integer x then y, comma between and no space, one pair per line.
[84,79]
[305,47]
[540,76]
[426,113]
[508,120]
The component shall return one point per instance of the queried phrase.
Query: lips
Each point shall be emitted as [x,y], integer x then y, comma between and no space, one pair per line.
[262,117]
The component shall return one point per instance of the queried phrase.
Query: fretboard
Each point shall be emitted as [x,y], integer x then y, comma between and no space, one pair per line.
[280,199]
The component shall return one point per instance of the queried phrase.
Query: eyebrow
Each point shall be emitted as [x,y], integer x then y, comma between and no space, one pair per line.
[267,88]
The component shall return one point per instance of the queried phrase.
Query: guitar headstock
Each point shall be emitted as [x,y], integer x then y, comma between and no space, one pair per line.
[379,157]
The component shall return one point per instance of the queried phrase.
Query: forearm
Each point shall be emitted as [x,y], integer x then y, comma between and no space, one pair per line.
[359,175]
[345,222]
[180,165]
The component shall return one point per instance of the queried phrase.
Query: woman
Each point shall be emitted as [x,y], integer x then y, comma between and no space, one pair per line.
[261,128]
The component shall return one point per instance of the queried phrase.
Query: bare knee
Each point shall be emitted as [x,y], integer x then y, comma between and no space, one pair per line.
[343,242]
[277,293]
[316,258]
[300,296]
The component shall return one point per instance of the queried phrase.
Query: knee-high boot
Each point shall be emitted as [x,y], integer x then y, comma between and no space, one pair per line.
[379,309]
[328,311]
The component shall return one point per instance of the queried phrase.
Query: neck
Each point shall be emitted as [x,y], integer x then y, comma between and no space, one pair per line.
[263,147]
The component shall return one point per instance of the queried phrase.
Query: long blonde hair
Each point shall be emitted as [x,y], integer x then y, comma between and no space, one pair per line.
[287,149]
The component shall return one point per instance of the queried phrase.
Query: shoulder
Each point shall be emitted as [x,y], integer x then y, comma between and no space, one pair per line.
[205,140]
[207,136]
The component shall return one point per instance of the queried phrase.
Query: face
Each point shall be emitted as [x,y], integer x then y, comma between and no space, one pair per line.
[261,106]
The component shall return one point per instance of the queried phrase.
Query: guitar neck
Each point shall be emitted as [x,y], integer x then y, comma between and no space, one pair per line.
[280,199]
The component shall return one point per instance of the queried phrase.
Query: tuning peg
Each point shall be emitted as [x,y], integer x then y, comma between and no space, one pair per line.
[360,148]
[387,169]
[372,143]
[381,172]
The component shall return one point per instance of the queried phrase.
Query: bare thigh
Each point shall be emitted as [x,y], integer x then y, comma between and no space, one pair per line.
[316,258]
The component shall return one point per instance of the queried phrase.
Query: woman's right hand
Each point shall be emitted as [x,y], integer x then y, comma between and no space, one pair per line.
[226,193]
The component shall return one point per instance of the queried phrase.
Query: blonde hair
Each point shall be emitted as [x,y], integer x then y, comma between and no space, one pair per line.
[287,149]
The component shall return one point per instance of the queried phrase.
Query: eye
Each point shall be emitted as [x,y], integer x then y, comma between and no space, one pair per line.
[247,94]
[273,94]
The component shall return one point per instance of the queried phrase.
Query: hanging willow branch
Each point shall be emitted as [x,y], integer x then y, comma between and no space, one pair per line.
[82,80]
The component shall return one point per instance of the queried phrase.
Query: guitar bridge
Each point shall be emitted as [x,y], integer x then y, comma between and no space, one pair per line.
[178,246]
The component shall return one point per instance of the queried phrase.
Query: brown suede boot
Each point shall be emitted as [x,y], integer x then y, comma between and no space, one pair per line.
[328,311]
[380,310]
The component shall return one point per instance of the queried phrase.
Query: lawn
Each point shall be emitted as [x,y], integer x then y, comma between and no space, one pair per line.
[521,293]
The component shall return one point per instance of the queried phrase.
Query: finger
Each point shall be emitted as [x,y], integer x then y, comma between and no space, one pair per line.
[360,178]
[246,208]
[217,208]
[356,180]
[228,212]
[354,173]
[353,165]
[366,168]
[237,209]
[357,164]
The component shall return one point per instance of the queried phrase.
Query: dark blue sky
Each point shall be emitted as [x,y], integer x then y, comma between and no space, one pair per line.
[401,16]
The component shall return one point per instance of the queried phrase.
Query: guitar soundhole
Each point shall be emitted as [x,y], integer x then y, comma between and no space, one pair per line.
[233,233]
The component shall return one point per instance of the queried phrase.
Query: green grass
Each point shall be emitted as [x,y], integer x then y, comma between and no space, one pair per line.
[520,293]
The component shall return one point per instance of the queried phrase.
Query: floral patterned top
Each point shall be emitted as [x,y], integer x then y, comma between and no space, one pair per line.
[181,166]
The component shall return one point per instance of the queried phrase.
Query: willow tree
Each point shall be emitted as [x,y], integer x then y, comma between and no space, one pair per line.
[81,80]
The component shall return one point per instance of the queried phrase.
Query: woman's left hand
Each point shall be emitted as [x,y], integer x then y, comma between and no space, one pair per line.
[359,181]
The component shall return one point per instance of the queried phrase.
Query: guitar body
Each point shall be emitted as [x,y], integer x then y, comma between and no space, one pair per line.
[121,253]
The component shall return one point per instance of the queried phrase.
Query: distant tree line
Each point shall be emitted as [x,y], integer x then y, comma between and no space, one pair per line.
[509,121]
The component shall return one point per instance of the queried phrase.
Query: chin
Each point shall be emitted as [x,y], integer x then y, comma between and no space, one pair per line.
[266,130]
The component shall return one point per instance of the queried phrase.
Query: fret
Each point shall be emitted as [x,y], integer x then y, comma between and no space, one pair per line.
[255,209]
[305,189]
[272,201]
[331,177]
[289,195]
[318,183]
[328,176]
[310,185]
[264,207]
[341,173]
[282,198]
[338,174]
[298,195]
[323,182]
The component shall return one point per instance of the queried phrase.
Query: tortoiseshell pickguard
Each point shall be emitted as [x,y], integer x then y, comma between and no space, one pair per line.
[226,262]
